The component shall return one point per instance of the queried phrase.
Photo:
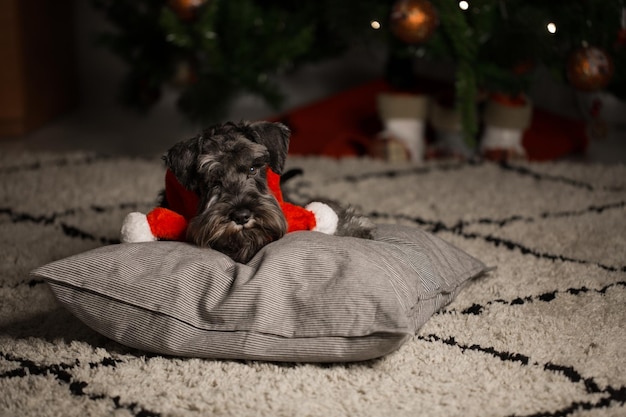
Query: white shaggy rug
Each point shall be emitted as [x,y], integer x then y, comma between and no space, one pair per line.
[542,335]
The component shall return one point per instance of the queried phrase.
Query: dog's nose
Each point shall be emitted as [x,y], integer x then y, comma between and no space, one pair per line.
[241,216]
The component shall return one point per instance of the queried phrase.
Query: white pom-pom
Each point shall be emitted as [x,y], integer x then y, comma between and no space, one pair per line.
[325,217]
[136,229]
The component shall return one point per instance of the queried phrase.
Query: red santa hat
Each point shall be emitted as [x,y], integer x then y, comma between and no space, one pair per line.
[171,223]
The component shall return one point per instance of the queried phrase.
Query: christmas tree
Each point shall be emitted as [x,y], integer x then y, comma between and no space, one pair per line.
[214,50]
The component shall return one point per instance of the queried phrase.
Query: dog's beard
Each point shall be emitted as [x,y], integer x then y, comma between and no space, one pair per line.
[216,230]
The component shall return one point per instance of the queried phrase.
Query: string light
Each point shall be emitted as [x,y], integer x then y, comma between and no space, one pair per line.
[375,24]
[551,27]
[463,5]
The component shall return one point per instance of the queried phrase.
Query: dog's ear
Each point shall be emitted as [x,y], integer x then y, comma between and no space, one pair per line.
[182,160]
[275,137]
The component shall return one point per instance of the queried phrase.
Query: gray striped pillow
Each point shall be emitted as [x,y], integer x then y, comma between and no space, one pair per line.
[307,297]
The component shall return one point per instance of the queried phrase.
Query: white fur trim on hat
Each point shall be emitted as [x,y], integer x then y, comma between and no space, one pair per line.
[326,219]
[136,229]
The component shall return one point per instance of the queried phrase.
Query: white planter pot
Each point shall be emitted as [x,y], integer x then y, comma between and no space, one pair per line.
[501,138]
[505,126]
[403,117]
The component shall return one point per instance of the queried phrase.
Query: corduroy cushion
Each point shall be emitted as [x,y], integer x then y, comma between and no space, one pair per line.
[307,297]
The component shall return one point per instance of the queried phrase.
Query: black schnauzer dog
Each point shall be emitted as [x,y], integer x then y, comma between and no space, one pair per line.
[227,167]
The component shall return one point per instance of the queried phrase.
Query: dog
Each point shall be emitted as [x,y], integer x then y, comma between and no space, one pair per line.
[227,167]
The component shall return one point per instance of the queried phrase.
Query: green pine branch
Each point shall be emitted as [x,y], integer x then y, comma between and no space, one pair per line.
[235,47]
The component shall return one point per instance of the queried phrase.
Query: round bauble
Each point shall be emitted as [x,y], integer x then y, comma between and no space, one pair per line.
[413,21]
[590,68]
[186,9]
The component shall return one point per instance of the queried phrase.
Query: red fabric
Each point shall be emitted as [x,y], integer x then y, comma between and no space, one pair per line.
[167,224]
[319,128]
[180,199]
[551,136]
[171,224]
[273,183]
[298,218]
[346,123]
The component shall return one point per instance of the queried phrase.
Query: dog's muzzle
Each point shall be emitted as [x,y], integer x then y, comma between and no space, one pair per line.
[241,216]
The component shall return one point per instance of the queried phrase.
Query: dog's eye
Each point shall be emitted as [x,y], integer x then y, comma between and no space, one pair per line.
[252,171]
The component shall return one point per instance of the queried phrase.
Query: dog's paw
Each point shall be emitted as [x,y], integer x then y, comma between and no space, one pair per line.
[136,229]
[326,218]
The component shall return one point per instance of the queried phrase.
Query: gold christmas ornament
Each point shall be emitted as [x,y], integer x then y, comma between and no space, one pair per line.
[413,21]
[185,9]
[590,68]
